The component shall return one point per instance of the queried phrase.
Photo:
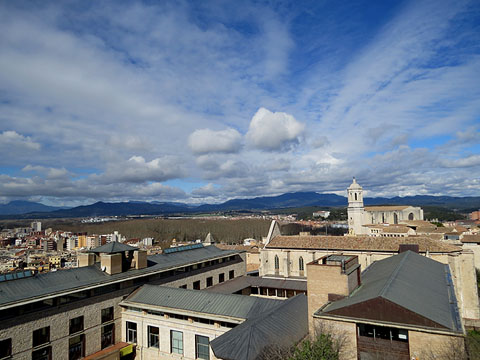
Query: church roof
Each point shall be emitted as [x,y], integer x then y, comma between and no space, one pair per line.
[360,243]
[386,208]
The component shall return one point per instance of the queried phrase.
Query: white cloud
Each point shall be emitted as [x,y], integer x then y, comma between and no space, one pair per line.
[14,141]
[274,131]
[469,161]
[205,141]
[49,172]
[138,170]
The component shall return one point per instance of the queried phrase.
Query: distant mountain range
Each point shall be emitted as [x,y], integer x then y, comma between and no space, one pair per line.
[26,209]
[23,207]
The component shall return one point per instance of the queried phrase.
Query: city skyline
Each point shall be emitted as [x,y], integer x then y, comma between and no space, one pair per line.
[203,102]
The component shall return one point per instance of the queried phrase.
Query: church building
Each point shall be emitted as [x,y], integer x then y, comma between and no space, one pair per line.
[359,215]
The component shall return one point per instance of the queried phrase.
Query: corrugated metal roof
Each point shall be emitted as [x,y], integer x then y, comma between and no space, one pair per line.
[113,248]
[411,281]
[282,326]
[51,283]
[237,306]
[243,282]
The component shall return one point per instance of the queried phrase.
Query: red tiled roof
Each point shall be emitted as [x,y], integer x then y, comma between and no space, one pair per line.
[367,243]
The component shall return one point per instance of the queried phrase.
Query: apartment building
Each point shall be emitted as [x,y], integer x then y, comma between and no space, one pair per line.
[70,314]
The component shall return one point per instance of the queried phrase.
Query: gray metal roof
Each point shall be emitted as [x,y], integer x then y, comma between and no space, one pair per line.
[284,325]
[237,306]
[113,248]
[243,282]
[57,282]
[411,281]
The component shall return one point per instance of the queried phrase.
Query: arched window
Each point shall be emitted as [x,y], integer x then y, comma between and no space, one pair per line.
[355,196]
[277,263]
[411,216]
[383,218]
[300,264]
[395,218]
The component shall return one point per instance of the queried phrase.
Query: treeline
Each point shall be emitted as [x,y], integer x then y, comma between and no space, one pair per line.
[165,230]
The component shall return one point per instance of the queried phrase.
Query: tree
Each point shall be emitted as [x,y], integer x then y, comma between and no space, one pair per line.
[323,347]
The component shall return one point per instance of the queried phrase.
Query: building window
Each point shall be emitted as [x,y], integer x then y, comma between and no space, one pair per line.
[42,354]
[395,218]
[5,348]
[231,274]
[411,216]
[108,335]
[183,286]
[41,336]
[176,342]
[76,347]
[209,281]
[277,263]
[131,332]
[153,337]
[221,277]
[107,314]
[300,264]
[382,332]
[355,196]
[196,285]
[76,325]
[202,350]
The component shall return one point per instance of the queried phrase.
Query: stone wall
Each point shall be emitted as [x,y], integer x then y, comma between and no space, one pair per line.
[435,346]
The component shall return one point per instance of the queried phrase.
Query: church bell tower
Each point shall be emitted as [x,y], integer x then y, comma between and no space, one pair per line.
[355,209]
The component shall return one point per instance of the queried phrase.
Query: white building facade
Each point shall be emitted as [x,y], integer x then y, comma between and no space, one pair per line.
[359,215]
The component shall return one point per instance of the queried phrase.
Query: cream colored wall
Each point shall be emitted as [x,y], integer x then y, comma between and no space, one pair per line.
[165,325]
[476,251]
[464,277]
[344,332]
[435,346]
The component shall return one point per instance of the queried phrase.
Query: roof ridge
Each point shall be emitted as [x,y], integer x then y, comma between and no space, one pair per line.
[394,274]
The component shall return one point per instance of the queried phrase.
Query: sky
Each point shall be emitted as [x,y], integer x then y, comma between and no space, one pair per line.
[205,101]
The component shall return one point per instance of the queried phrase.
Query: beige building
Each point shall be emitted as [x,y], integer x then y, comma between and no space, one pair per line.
[70,314]
[287,256]
[403,307]
[359,215]
[169,323]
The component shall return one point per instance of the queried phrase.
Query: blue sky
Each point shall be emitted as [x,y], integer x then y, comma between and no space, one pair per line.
[212,100]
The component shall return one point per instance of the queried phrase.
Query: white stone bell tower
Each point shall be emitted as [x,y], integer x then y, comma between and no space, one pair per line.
[355,209]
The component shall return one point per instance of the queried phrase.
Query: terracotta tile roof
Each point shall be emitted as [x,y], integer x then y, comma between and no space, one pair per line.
[471,238]
[364,243]
[396,229]
[422,223]
[439,230]
[386,208]
[247,248]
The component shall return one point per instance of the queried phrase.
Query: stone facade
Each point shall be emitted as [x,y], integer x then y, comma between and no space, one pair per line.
[424,345]
[20,328]
[358,215]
